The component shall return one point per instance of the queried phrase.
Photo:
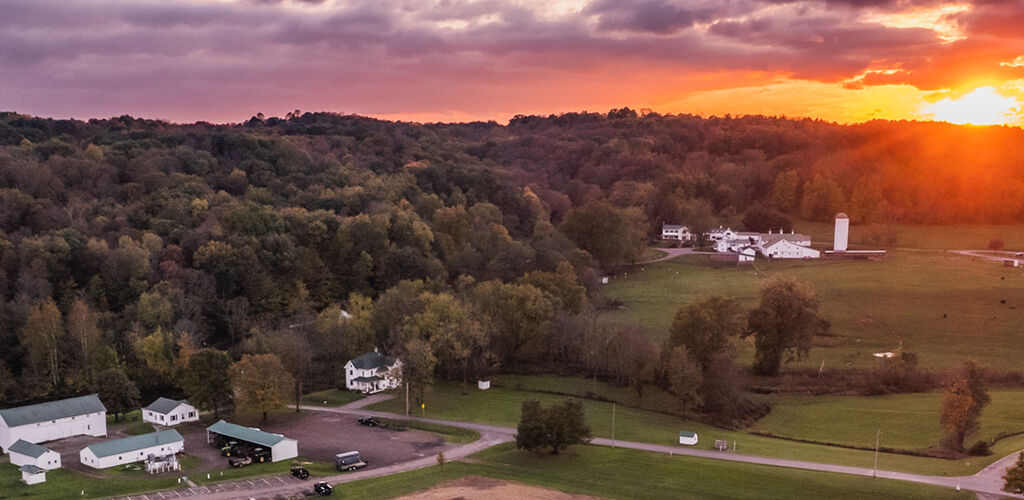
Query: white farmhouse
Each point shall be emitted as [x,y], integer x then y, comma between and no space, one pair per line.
[169,412]
[675,232]
[373,372]
[25,453]
[132,449]
[38,423]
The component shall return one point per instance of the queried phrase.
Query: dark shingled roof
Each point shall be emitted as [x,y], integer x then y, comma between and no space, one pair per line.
[165,405]
[72,407]
[372,360]
[28,449]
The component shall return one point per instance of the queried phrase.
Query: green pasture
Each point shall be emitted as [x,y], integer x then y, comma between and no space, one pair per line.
[906,421]
[942,306]
[501,406]
[926,237]
[617,473]
[332,397]
[63,483]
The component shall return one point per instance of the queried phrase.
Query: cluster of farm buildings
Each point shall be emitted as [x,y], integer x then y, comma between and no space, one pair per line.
[22,429]
[744,246]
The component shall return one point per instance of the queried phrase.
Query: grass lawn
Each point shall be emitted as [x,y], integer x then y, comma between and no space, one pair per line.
[501,406]
[618,473]
[333,397]
[951,237]
[449,433]
[873,306]
[130,417]
[907,421]
[316,469]
[651,254]
[63,483]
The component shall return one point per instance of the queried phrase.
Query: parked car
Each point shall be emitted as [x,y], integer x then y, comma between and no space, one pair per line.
[300,472]
[323,489]
[350,460]
[240,461]
[370,421]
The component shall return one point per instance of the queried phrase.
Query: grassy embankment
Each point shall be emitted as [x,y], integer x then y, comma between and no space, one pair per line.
[331,397]
[63,483]
[619,473]
[944,307]
[501,405]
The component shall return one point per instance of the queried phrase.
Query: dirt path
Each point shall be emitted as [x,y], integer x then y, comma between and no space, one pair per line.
[485,488]
[368,400]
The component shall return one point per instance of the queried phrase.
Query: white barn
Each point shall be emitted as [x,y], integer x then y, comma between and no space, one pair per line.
[132,449]
[25,453]
[38,423]
[168,412]
[785,249]
[373,372]
[281,448]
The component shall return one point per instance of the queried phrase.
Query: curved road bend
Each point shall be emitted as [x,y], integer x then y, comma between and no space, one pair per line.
[987,483]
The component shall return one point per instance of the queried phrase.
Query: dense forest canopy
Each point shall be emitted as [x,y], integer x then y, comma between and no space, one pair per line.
[131,243]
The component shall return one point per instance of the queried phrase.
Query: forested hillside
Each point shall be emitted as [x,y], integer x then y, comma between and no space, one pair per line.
[129,244]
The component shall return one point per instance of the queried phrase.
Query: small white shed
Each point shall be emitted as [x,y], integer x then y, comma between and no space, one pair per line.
[169,412]
[25,453]
[687,437]
[132,449]
[30,474]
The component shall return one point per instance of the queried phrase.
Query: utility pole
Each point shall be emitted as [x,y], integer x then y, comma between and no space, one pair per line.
[613,425]
[878,434]
[407,398]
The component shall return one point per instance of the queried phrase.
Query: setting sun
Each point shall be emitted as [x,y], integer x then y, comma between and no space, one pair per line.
[981,106]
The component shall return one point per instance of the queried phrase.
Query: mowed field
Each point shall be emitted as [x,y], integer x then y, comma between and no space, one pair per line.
[942,306]
[618,473]
[906,421]
[501,406]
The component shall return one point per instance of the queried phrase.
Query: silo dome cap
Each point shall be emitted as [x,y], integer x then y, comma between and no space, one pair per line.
[841,215]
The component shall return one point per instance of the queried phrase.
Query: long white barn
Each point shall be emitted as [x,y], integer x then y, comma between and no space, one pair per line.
[132,449]
[39,423]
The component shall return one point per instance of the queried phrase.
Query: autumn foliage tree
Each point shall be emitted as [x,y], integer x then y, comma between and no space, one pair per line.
[964,398]
[556,426]
[784,324]
[1013,480]
[206,380]
[260,383]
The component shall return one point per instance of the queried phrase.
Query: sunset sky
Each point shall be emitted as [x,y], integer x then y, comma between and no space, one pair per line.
[457,60]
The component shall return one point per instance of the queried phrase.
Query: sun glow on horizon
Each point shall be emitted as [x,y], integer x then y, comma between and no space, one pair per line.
[981,106]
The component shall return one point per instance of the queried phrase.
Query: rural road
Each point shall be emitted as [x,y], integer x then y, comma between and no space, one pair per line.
[984,254]
[987,483]
[672,253]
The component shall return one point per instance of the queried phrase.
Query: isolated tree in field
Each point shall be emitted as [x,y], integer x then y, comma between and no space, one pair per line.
[965,397]
[684,377]
[260,383]
[613,235]
[206,380]
[117,392]
[557,426]
[784,324]
[1013,480]
[705,327]
[293,348]
[418,362]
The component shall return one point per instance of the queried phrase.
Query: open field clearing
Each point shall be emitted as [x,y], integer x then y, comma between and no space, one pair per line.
[501,406]
[617,473]
[944,307]
[907,421]
[944,237]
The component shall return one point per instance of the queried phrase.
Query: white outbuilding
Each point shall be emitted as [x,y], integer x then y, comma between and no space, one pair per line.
[168,412]
[373,372]
[25,453]
[38,423]
[281,448]
[132,449]
[30,474]
[687,438]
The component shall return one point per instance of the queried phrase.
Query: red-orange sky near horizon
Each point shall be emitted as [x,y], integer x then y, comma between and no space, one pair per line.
[459,60]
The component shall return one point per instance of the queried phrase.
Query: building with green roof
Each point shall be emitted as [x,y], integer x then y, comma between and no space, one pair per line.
[132,449]
[53,420]
[281,447]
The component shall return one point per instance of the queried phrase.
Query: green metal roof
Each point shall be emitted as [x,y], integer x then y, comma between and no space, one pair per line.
[31,469]
[165,405]
[24,415]
[247,434]
[134,443]
[28,449]
[688,434]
